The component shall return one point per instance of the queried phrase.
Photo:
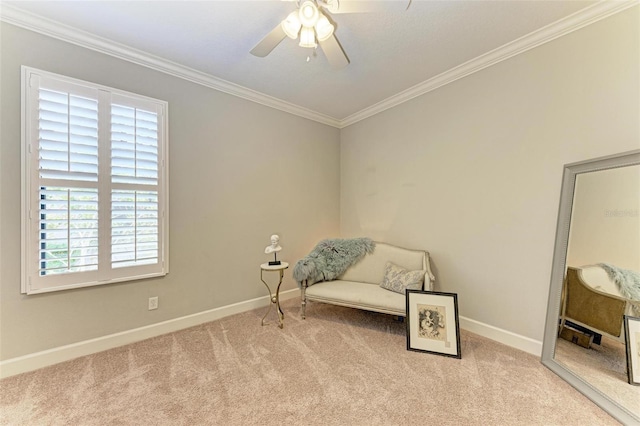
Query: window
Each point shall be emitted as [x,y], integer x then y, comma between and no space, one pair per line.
[94,184]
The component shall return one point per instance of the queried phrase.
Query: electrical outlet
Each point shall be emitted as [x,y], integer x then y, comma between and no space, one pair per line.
[153,303]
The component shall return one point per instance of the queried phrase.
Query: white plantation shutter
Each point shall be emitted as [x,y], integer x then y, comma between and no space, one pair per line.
[135,237]
[134,146]
[95,184]
[134,228]
[68,236]
[68,136]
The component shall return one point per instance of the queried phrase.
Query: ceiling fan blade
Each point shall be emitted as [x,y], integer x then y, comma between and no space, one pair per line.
[334,53]
[269,42]
[365,6]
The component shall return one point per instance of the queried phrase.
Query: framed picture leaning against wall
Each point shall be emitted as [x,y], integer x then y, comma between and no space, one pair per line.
[432,323]
[632,338]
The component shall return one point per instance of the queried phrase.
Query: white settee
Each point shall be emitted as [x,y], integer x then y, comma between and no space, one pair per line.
[359,287]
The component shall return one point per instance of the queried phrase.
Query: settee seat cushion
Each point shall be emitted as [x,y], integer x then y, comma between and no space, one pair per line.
[358,295]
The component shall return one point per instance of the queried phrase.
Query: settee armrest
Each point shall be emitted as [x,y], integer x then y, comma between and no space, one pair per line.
[429,278]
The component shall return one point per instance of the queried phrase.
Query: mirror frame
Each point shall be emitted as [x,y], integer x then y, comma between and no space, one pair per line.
[571,171]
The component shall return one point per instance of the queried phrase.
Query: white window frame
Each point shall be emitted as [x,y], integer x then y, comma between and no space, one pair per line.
[32,281]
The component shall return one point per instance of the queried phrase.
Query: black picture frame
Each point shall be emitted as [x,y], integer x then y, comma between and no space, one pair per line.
[433,324]
[632,340]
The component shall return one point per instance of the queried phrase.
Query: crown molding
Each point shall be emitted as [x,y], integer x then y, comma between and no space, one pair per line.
[580,19]
[585,17]
[50,28]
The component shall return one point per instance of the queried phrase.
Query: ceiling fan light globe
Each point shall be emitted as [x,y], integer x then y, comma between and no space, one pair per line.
[291,25]
[324,29]
[308,13]
[308,37]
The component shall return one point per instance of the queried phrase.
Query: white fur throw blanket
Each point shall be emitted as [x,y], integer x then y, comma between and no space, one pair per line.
[331,258]
[627,281]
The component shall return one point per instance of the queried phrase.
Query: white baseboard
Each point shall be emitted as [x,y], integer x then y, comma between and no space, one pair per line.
[508,338]
[42,359]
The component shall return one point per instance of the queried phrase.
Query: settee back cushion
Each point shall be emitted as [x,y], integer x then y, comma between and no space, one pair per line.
[371,268]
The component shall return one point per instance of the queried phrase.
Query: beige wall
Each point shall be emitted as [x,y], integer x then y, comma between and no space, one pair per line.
[239,172]
[472,171]
[605,219]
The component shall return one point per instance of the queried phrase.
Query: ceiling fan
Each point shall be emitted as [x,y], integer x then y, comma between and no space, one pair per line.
[310,23]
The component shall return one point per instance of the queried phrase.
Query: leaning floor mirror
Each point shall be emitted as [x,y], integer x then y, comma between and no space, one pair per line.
[595,263]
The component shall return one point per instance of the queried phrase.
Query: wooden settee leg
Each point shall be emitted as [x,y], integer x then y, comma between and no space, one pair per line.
[304,299]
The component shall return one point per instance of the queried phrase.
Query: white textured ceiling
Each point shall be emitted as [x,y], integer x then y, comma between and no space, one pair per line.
[389,52]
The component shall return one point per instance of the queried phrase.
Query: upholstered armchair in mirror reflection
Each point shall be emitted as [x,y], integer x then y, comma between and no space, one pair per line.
[592,299]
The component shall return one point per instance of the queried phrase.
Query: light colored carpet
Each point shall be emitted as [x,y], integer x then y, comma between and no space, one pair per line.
[604,367]
[340,366]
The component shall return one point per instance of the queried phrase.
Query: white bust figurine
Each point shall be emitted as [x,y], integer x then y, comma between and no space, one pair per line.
[274,247]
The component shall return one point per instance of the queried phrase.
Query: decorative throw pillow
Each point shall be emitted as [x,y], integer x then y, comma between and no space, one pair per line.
[399,279]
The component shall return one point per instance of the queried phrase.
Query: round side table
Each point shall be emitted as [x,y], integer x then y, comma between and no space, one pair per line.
[274,299]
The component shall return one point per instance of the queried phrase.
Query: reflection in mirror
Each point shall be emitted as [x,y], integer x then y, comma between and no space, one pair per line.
[596,281]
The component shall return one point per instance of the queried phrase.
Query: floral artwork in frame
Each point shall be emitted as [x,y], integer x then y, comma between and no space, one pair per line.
[632,339]
[432,323]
